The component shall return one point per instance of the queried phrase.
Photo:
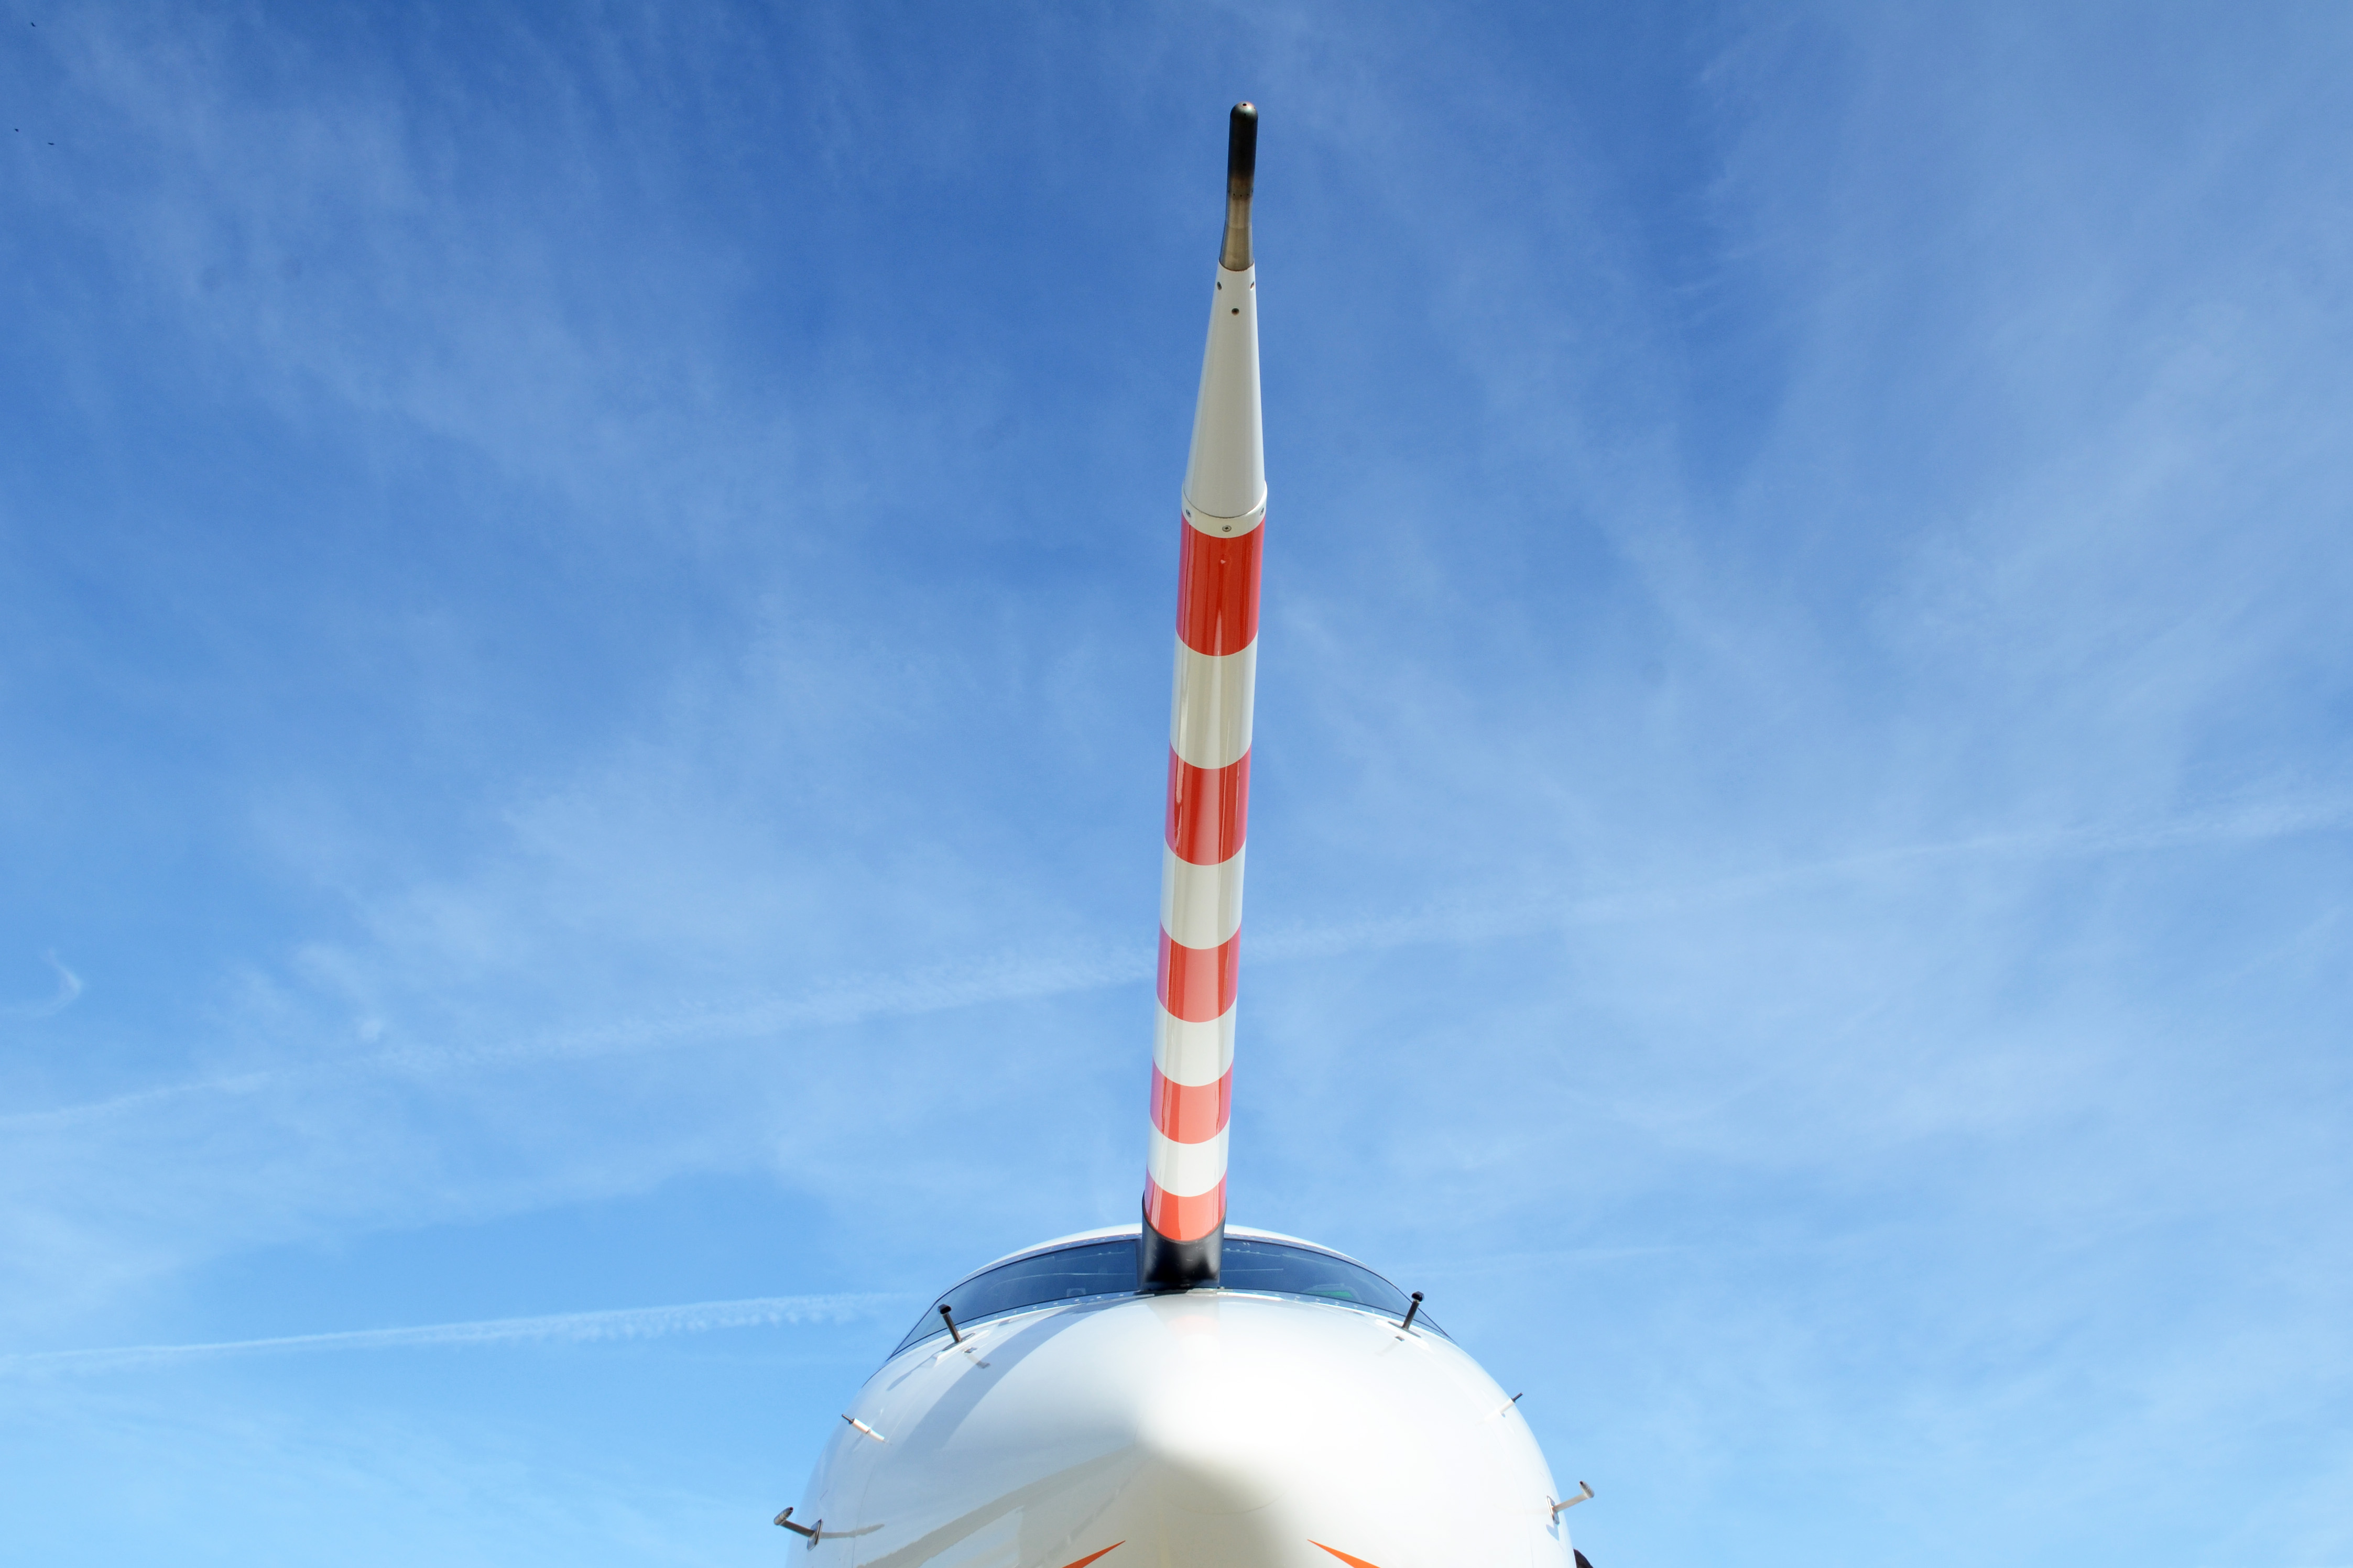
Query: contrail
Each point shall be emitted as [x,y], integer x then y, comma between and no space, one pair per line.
[939,988]
[560,1328]
[1465,919]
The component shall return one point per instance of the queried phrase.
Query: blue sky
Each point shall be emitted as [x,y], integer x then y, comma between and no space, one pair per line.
[584,621]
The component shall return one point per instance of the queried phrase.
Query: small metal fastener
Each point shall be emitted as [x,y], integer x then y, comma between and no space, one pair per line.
[1583,1491]
[1412,1311]
[948,1318]
[811,1530]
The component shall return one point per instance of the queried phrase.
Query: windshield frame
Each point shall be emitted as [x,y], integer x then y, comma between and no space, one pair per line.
[930,1327]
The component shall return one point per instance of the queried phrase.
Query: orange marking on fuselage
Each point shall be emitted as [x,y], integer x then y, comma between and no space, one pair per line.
[1090,1556]
[1350,1562]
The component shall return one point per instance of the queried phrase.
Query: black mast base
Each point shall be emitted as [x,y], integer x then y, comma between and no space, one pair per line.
[1165,1265]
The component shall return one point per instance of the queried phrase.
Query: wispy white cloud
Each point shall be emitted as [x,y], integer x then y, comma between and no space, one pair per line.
[67,990]
[557,1328]
[1013,976]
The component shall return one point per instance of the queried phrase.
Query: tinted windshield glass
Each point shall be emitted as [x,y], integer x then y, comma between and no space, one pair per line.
[1296,1271]
[1074,1273]
[1108,1268]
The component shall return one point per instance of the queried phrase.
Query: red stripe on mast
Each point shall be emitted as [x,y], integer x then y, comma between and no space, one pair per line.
[1209,809]
[1184,1219]
[1191,1113]
[1198,983]
[1217,591]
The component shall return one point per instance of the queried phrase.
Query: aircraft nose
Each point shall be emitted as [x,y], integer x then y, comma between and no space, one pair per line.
[1209,1429]
[1278,1435]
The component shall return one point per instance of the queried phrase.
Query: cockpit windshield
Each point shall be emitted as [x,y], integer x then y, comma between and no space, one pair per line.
[1281,1270]
[1092,1270]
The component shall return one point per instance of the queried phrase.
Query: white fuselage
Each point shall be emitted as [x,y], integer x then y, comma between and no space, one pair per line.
[1206,1427]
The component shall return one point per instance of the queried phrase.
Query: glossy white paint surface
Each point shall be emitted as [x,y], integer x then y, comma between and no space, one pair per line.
[1190,1053]
[1200,906]
[1225,474]
[1206,1429]
[1184,1169]
[1209,708]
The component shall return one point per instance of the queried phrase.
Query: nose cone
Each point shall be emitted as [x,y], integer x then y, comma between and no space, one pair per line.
[1211,1429]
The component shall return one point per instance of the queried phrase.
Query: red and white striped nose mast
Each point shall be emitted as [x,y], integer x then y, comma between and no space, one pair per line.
[1208,768]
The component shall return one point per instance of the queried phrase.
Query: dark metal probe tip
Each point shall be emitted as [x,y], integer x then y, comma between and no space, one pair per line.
[1241,143]
[1241,170]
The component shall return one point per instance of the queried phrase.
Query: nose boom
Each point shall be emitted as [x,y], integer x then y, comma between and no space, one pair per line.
[1224,512]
